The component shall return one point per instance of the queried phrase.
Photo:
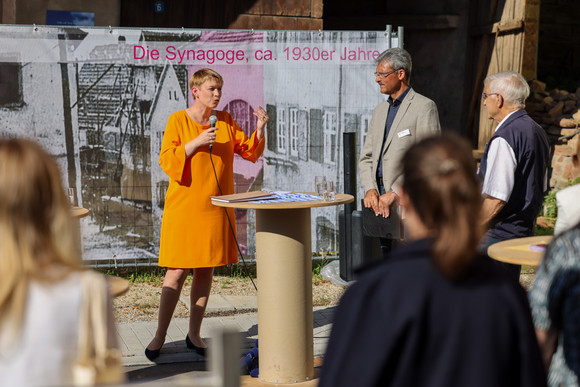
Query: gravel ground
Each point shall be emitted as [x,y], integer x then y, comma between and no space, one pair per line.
[527,277]
[141,302]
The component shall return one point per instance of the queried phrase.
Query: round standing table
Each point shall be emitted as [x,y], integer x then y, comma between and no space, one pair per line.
[117,286]
[520,251]
[284,271]
[79,212]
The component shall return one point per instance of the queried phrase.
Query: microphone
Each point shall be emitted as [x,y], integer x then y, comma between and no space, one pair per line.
[212,121]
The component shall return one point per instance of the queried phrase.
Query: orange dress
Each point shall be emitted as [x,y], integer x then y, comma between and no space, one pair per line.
[195,233]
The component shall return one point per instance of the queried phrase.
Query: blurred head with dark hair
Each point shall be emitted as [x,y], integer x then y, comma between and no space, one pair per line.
[442,199]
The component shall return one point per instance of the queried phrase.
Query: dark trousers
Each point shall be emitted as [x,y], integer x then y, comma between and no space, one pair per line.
[387,244]
[512,270]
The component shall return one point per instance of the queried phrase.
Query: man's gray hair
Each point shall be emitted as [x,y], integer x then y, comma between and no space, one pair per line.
[399,58]
[511,86]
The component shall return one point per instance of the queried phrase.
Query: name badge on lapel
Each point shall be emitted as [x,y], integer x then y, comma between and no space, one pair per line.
[404,133]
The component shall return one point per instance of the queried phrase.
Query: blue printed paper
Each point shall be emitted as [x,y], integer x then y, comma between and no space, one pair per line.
[286,197]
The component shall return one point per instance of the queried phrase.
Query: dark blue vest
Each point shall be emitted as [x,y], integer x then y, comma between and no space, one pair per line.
[532,150]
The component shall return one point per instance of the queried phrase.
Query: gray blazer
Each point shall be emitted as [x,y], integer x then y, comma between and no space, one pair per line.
[416,118]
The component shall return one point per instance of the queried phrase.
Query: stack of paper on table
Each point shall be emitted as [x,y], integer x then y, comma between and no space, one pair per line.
[539,247]
[244,197]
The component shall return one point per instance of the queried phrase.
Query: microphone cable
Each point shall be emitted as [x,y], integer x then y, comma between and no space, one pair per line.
[230,223]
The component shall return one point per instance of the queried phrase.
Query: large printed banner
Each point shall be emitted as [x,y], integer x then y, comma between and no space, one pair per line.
[98,99]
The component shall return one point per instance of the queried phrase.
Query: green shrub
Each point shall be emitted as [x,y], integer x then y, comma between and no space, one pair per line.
[550,209]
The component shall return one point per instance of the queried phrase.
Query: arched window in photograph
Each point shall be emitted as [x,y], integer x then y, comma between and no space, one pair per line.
[243,114]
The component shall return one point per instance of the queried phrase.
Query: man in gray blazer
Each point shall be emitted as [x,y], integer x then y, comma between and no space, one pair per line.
[402,120]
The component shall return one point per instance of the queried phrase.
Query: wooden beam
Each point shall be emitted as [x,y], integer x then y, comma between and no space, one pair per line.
[501,27]
[477,154]
[531,35]
[508,26]
[8,14]
[410,22]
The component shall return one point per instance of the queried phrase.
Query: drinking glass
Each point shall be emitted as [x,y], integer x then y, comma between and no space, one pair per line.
[320,185]
[329,192]
[71,196]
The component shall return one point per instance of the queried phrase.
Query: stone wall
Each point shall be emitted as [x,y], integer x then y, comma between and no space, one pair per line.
[558,112]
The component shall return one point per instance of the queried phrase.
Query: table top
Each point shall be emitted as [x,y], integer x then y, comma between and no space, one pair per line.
[79,212]
[117,285]
[338,199]
[520,251]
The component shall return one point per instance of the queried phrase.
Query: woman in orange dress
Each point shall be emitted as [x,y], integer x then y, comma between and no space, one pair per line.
[194,233]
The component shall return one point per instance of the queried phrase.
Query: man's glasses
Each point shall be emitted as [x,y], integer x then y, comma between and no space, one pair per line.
[485,95]
[384,75]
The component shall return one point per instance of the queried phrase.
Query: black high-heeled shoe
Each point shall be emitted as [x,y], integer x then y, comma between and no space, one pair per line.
[199,350]
[152,354]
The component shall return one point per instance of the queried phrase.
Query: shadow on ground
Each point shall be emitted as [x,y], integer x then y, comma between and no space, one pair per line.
[157,372]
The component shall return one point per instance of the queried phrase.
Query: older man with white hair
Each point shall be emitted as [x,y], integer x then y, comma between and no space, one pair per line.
[514,164]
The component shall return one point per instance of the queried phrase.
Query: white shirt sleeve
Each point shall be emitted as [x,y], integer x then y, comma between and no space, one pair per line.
[501,166]
[568,209]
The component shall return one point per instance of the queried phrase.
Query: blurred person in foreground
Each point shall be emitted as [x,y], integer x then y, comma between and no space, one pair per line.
[436,313]
[567,199]
[555,295]
[42,291]
[514,165]
[195,234]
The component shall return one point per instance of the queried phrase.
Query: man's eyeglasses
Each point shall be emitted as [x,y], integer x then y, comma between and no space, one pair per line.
[384,75]
[485,95]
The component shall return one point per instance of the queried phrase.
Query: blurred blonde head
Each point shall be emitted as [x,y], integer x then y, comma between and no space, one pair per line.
[37,242]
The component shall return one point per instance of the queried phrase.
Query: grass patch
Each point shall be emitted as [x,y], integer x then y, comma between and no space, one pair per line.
[528,269]
[226,283]
[321,301]
[155,274]
[544,231]
[237,270]
[317,266]
[550,208]
[549,205]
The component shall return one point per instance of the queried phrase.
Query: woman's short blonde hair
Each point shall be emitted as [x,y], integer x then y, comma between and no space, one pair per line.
[200,76]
